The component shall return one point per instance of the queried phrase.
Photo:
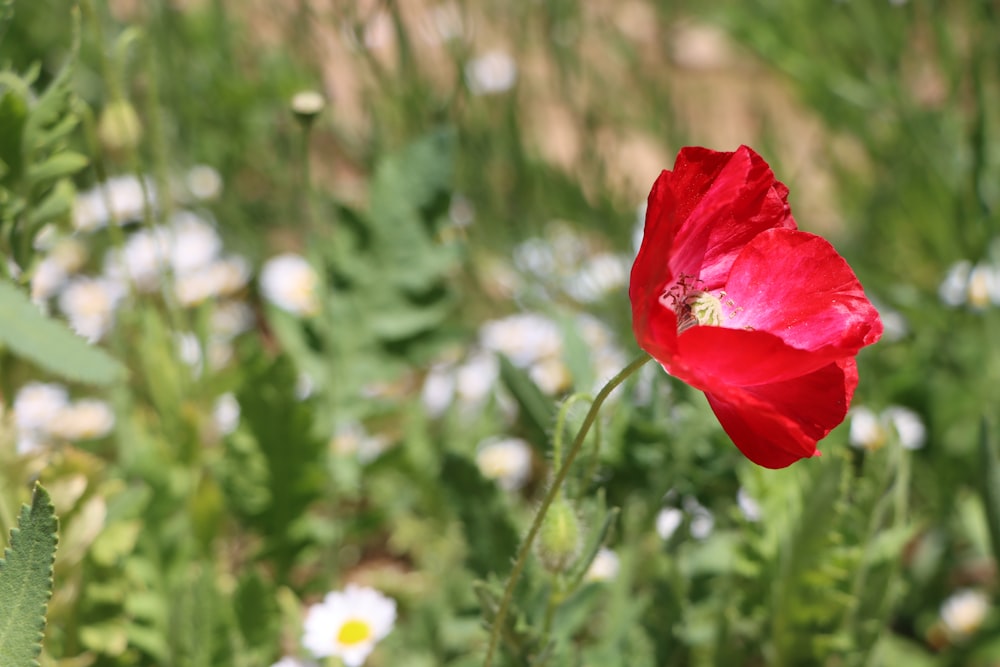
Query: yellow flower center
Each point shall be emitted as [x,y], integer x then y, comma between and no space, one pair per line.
[699,308]
[353,632]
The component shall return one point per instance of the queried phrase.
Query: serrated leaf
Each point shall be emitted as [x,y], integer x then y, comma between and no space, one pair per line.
[26,581]
[50,344]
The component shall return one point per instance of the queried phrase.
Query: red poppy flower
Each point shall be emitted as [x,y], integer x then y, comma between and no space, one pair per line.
[728,296]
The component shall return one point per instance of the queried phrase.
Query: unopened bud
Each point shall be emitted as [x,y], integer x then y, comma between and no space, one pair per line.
[119,128]
[307,104]
[559,539]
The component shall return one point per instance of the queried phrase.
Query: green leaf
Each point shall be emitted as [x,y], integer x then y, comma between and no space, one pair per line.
[489,533]
[61,164]
[13,113]
[990,483]
[26,581]
[50,344]
[536,406]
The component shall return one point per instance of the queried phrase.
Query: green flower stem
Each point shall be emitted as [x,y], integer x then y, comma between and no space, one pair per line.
[557,439]
[536,524]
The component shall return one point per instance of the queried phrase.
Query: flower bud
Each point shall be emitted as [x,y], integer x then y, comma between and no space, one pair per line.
[559,538]
[307,104]
[119,128]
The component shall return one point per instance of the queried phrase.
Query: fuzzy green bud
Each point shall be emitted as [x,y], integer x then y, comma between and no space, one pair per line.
[119,128]
[558,542]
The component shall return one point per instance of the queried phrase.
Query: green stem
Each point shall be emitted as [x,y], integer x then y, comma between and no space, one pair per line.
[536,524]
[557,439]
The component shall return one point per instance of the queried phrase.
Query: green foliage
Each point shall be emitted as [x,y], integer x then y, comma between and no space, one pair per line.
[188,539]
[26,581]
[36,162]
[50,343]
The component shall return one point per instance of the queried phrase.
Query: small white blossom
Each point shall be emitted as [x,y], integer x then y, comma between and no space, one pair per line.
[89,304]
[86,419]
[226,413]
[125,194]
[352,439]
[604,567]
[749,507]
[476,378]
[194,243]
[142,260]
[35,407]
[491,73]
[508,461]
[47,279]
[668,520]
[348,624]
[702,520]
[600,275]
[977,286]
[290,283]
[203,182]
[438,391]
[963,612]
[870,430]
[289,661]
[219,278]
[231,318]
[524,338]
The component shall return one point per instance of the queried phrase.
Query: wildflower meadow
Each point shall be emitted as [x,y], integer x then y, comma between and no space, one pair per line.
[468,333]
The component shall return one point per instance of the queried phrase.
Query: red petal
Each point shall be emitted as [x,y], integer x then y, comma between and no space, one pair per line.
[699,217]
[709,356]
[777,424]
[716,218]
[795,285]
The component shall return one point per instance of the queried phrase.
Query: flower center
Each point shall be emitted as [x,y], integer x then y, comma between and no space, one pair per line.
[699,307]
[353,632]
[695,307]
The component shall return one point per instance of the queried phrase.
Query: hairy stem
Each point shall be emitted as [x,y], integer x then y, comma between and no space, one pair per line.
[536,524]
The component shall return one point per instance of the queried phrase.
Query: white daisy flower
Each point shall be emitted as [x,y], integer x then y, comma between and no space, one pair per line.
[604,567]
[963,612]
[524,338]
[289,661]
[508,461]
[748,505]
[668,520]
[353,439]
[491,73]
[35,407]
[89,304]
[601,274]
[86,419]
[702,519]
[142,260]
[47,279]
[219,278]
[870,430]
[348,624]
[438,391]
[226,413]
[203,182]
[290,283]
[476,378]
[127,203]
[194,243]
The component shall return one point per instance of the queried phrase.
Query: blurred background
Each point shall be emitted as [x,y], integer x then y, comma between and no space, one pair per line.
[348,270]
